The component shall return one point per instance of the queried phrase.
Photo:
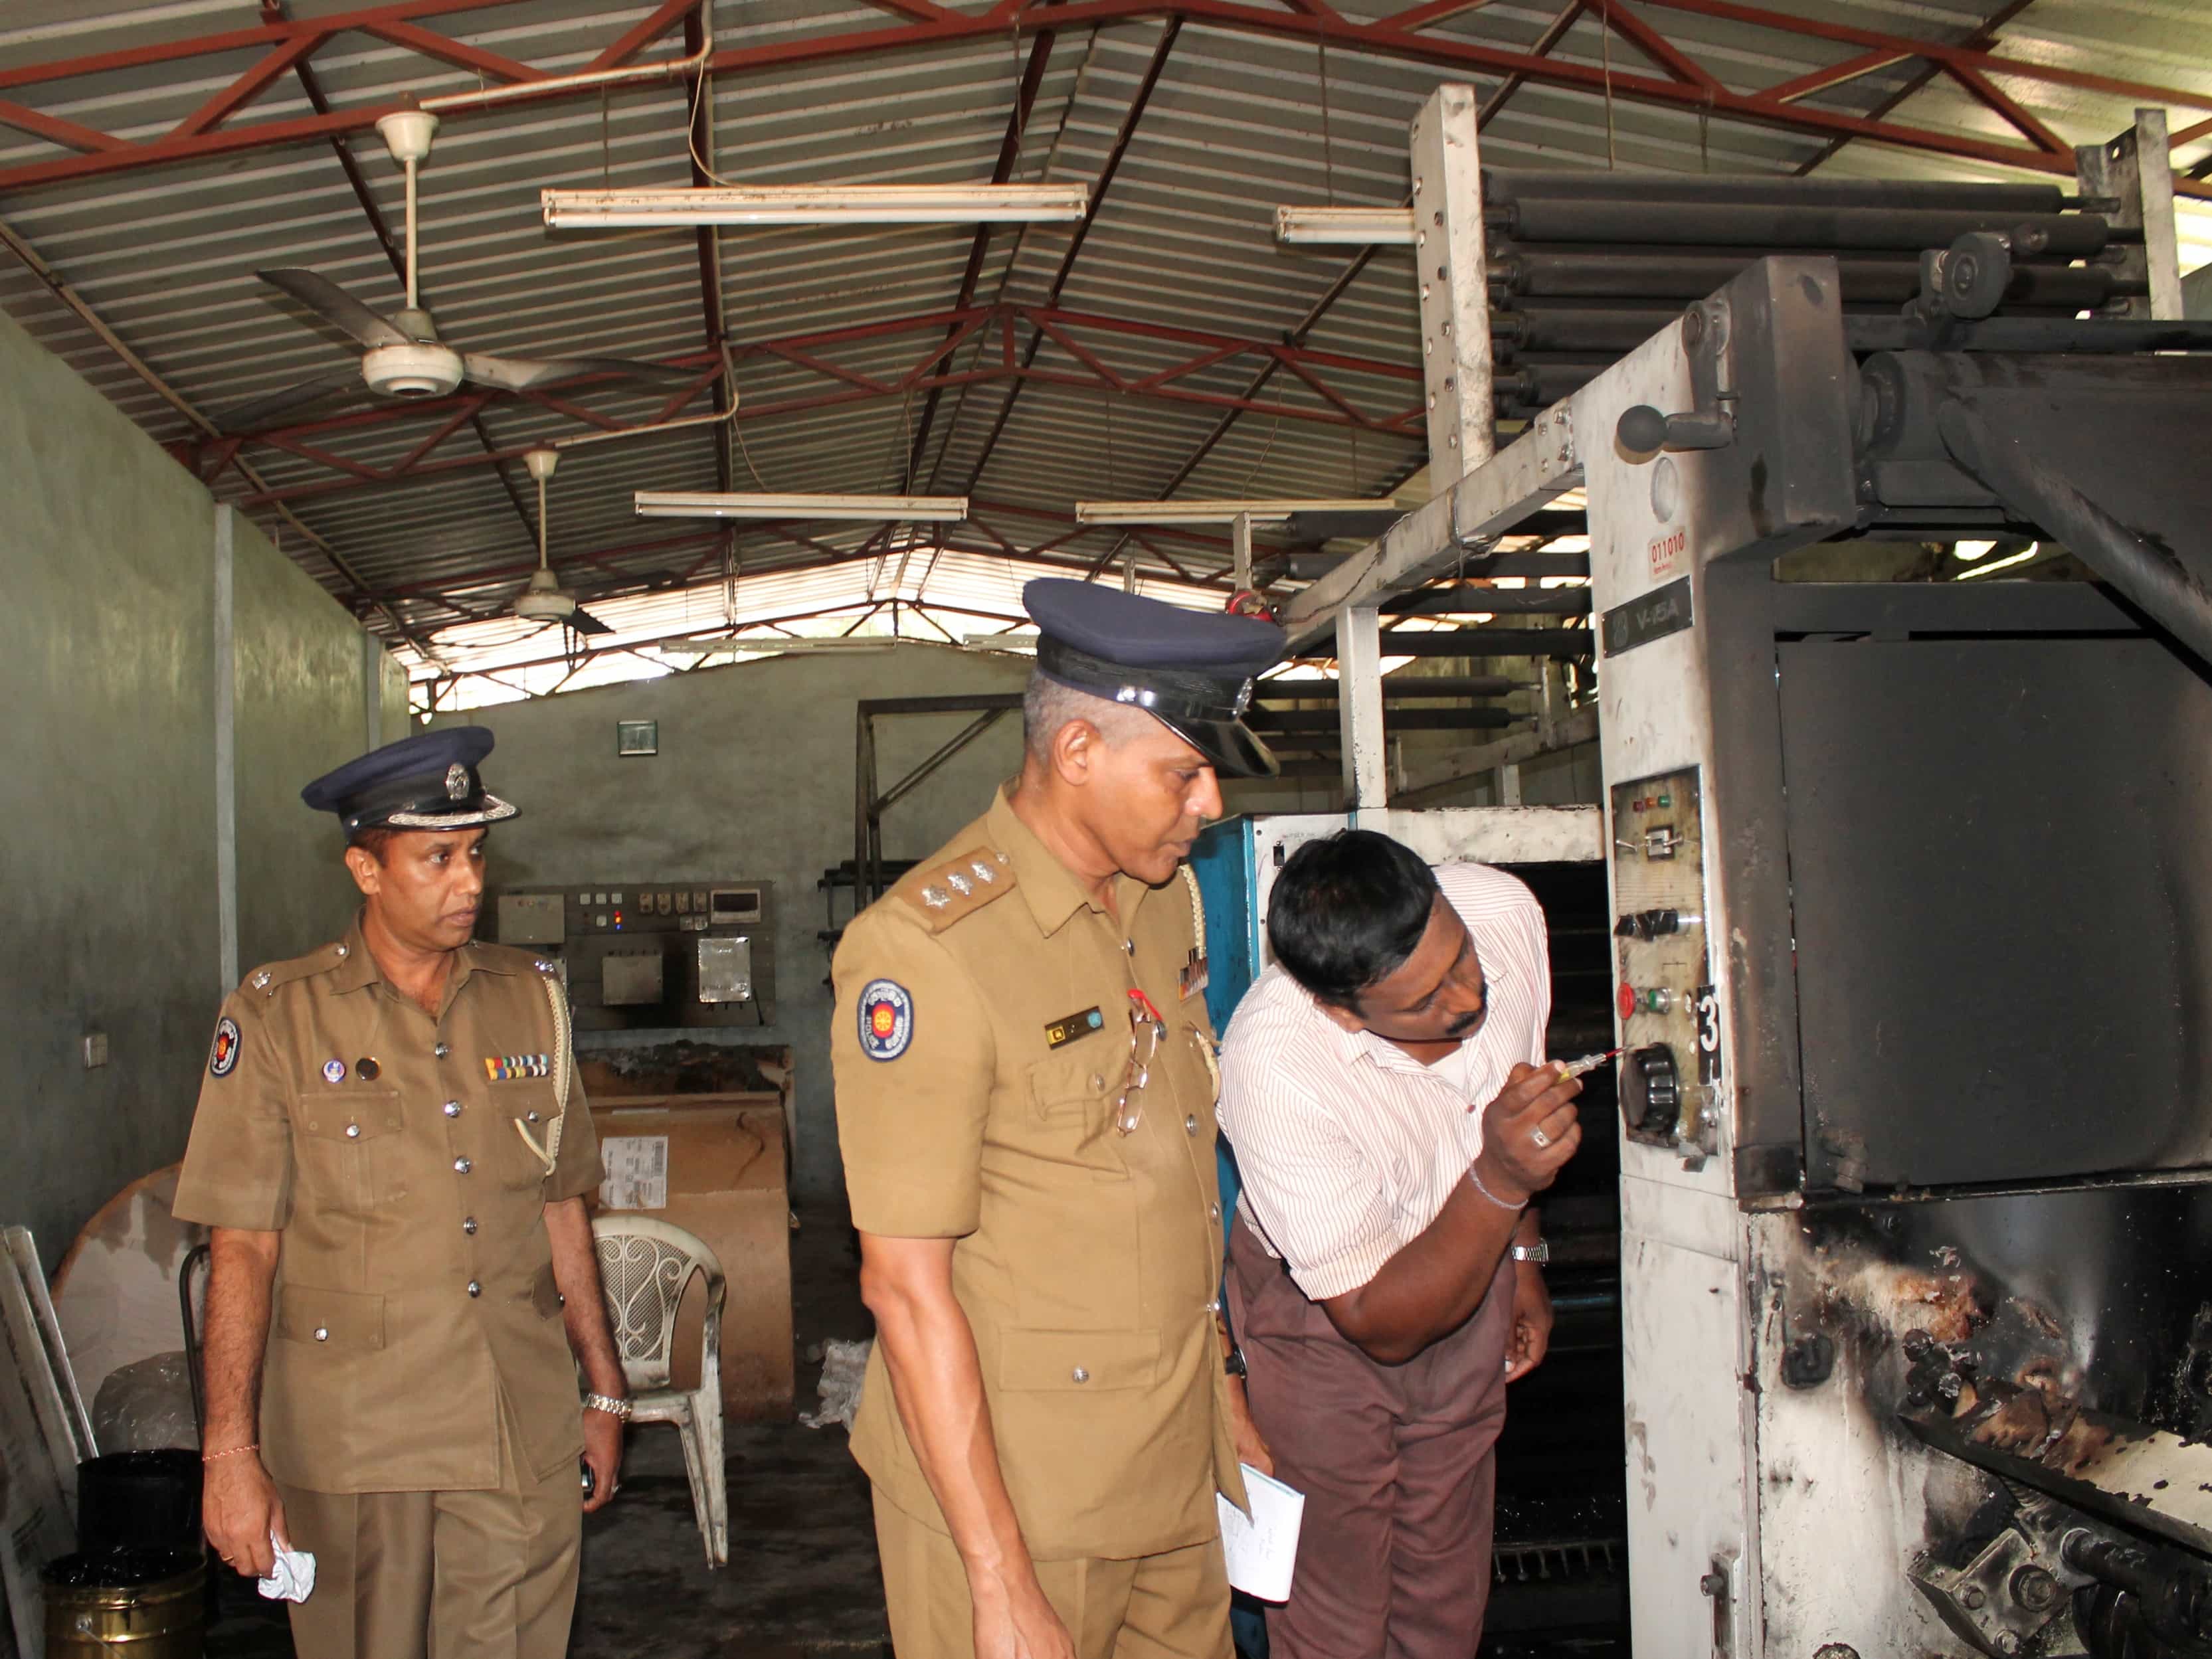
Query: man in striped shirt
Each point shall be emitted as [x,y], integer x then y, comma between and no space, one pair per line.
[1385,1087]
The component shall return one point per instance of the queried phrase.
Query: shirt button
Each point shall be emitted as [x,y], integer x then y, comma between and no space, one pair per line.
[469,1225]
[1130,947]
[453,1109]
[1080,1374]
[462,1166]
[1214,1306]
[322,1333]
[353,1131]
[532,1116]
[1213,1213]
[442,1051]
[475,1288]
[1097,1080]
[1190,1125]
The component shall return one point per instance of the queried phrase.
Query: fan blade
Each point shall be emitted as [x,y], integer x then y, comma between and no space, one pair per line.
[585,622]
[256,413]
[334,305]
[514,373]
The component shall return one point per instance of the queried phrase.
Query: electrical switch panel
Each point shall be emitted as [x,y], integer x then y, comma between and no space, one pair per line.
[652,955]
[1667,1017]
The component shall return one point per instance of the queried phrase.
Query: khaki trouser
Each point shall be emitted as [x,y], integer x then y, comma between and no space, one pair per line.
[440,1575]
[1170,1606]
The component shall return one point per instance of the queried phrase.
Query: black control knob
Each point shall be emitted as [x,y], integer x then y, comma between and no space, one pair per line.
[1648,924]
[1652,1090]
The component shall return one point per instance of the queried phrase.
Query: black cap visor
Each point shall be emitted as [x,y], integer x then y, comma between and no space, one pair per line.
[1232,747]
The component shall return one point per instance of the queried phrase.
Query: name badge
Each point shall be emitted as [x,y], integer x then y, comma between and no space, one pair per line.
[1061,1032]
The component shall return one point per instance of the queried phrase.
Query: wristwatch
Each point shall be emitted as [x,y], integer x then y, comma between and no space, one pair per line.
[1539,1252]
[1233,1362]
[617,1409]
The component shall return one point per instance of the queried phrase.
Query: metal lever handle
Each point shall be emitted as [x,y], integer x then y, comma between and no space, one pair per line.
[1644,431]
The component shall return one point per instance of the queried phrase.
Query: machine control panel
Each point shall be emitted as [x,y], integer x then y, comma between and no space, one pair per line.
[654,954]
[1663,997]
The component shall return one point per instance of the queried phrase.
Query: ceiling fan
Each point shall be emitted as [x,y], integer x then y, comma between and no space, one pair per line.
[544,599]
[404,357]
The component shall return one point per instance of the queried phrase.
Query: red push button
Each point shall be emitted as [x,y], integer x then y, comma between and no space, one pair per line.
[1628,1001]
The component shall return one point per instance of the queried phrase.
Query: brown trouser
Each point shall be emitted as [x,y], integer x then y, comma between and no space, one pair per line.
[440,1575]
[1396,1462]
[1174,1605]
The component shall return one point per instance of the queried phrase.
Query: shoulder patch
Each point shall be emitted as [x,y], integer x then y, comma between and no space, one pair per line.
[222,1052]
[957,887]
[886,1015]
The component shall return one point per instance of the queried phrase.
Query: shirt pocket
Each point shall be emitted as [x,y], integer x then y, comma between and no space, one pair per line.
[1077,1361]
[1072,1099]
[530,1102]
[347,1142]
[334,1319]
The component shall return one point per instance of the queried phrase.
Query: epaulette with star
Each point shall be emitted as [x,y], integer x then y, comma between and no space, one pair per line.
[959,887]
[265,979]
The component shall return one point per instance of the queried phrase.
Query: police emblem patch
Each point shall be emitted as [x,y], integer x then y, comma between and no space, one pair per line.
[334,1070]
[223,1055]
[886,1019]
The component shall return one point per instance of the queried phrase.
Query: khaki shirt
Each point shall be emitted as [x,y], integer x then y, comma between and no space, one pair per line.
[977,1101]
[415,1278]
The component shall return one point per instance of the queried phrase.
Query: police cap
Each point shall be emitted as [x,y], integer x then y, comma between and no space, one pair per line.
[1190,670]
[427,781]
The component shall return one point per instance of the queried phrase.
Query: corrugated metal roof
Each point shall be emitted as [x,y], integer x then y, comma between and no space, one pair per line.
[1238,123]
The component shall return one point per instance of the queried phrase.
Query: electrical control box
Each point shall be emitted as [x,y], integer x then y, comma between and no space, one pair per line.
[654,954]
[1662,986]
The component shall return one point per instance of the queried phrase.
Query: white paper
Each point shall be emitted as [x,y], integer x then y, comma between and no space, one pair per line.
[293,1579]
[637,1172]
[1263,1548]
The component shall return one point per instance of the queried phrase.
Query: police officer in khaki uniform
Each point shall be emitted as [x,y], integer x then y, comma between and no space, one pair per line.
[392,1151]
[1025,1096]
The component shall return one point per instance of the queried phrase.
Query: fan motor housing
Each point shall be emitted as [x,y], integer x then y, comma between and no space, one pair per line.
[422,369]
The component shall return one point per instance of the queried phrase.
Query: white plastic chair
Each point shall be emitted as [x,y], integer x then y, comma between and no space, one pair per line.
[644,1267]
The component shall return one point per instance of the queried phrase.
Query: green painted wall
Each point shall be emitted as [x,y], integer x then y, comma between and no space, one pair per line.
[110,903]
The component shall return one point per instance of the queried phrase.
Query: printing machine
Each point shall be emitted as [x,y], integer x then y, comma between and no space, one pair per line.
[1911,913]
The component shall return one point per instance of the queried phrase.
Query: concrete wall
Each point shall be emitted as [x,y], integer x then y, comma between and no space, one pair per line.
[112,910]
[753,780]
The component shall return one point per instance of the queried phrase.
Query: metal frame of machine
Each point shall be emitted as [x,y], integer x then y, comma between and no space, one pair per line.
[1898,1382]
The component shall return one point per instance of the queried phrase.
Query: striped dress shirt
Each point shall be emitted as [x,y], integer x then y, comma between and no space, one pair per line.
[1348,1145]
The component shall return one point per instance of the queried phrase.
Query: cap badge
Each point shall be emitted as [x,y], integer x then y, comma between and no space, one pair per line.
[457,781]
[1243,698]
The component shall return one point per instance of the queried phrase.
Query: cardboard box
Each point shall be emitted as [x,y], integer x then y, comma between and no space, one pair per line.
[714,1164]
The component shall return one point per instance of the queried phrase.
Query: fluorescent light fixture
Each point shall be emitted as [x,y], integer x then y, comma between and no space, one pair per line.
[1971,551]
[678,504]
[1996,565]
[814,204]
[1272,512]
[1312,226]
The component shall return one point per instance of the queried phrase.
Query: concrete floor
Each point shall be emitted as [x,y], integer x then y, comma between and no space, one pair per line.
[802,1582]
[802,1579]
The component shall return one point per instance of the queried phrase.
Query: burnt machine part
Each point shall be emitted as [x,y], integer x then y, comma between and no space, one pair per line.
[2145,1604]
[1668,1076]
[655,955]
[2009,1591]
